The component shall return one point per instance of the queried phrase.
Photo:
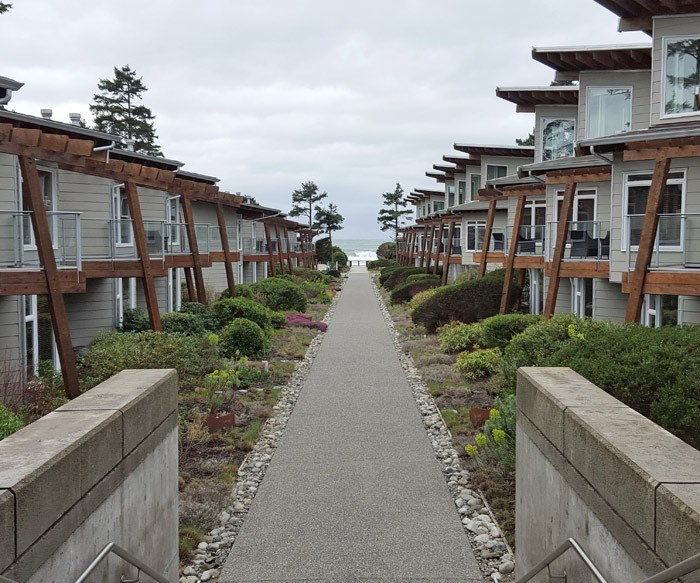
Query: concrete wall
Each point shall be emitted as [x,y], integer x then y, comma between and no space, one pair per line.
[100,469]
[591,468]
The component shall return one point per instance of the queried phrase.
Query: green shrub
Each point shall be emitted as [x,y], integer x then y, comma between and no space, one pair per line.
[203,311]
[316,290]
[399,275]
[333,273]
[468,301]
[479,363]
[387,250]
[228,309]
[278,320]
[242,291]
[496,443]
[385,272]
[421,277]
[460,337]
[183,323]
[339,258]
[193,356]
[307,274]
[404,292]
[380,263]
[420,298]
[280,294]
[243,337]
[9,422]
[135,320]
[497,331]
[677,409]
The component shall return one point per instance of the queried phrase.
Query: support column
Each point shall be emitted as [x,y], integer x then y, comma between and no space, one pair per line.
[149,287]
[646,241]
[510,259]
[194,249]
[228,264]
[289,251]
[429,245]
[189,282]
[558,253]
[271,257]
[280,253]
[485,244]
[44,246]
[448,253]
[441,227]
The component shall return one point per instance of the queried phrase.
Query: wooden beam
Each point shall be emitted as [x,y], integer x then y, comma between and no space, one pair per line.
[646,241]
[189,283]
[430,245]
[448,254]
[44,246]
[579,178]
[223,233]
[558,253]
[510,258]
[440,230]
[271,257]
[149,288]
[424,245]
[194,248]
[289,251]
[528,262]
[487,238]
[280,253]
[666,151]
[634,24]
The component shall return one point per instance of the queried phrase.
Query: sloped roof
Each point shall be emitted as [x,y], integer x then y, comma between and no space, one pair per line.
[494,150]
[527,98]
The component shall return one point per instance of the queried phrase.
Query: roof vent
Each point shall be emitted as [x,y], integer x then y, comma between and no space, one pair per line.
[129,144]
[75,118]
[46,113]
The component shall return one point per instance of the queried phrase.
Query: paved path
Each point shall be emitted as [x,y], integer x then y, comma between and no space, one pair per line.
[354,490]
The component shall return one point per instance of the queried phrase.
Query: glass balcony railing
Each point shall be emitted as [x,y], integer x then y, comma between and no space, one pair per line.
[674,246]
[498,242]
[531,240]
[585,240]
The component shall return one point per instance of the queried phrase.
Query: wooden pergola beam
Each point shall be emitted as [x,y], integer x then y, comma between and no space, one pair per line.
[510,258]
[149,288]
[440,230]
[44,245]
[634,155]
[487,237]
[448,253]
[289,251]
[189,284]
[646,242]
[194,249]
[271,257]
[558,253]
[280,253]
[431,245]
[228,261]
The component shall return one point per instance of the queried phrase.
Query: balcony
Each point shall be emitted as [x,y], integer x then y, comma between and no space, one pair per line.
[677,243]
[531,240]
[585,241]
[497,243]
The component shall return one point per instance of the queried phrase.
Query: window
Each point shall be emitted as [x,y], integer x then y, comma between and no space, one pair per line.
[475,185]
[584,206]
[461,192]
[557,138]
[450,195]
[536,280]
[681,72]
[582,297]
[493,171]
[475,234]
[172,217]
[439,205]
[608,111]
[47,182]
[670,231]
[659,311]
[122,217]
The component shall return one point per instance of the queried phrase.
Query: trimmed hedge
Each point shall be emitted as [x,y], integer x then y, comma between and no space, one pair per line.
[406,291]
[242,337]
[479,363]
[183,323]
[399,275]
[228,309]
[460,337]
[498,331]
[203,311]
[9,422]
[380,263]
[421,277]
[135,320]
[280,294]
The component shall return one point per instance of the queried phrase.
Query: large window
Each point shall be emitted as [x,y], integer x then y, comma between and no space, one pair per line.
[608,111]
[493,171]
[450,195]
[475,233]
[681,75]
[122,217]
[461,192]
[474,185]
[557,138]
[47,182]
[172,217]
[584,206]
[439,205]
[582,297]
[670,231]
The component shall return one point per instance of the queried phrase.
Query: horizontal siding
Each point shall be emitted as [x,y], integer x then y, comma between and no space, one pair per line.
[511,163]
[609,303]
[689,308]
[92,312]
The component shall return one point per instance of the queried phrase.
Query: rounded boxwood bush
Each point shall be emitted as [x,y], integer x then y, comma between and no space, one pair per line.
[135,320]
[9,422]
[480,363]
[498,331]
[242,337]
[460,337]
[230,308]
[183,323]
[380,263]
[203,311]
[406,291]
[280,294]
[278,320]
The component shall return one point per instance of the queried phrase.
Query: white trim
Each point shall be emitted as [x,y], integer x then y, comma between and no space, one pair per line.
[662,78]
[588,104]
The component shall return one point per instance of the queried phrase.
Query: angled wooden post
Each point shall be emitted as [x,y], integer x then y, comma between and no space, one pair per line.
[271,257]
[228,264]
[194,249]
[448,253]
[149,286]
[414,244]
[289,251]
[280,253]
[486,243]
[423,246]
[646,242]
[47,259]
[441,228]
[558,253]
[510,259]
[430,245]
[189,282]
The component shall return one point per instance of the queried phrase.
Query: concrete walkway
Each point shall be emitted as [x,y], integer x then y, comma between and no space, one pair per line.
[354,490]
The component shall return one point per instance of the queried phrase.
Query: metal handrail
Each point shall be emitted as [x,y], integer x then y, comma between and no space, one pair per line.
[569,543]
[129,558]
[683,568]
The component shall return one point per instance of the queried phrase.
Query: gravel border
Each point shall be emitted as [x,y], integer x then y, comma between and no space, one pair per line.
[492,552]
[214,549]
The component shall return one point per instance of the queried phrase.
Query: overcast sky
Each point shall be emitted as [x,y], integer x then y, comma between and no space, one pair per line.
[265,94]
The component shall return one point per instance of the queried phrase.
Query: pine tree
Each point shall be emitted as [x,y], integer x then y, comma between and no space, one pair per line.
[304,199]
[393,215]
[328,220]
[116,111]
[529,141]
[4,7]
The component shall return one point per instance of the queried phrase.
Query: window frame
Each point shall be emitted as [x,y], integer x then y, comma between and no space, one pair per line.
[461,192]
[118,200]
[472,224]
[588,106]
[473,194]
[53,221]
[489,166]
[543,123]
[664,52]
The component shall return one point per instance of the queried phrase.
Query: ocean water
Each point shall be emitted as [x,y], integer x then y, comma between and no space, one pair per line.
[361,250]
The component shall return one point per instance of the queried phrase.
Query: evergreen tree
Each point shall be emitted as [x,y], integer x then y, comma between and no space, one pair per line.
[304,199]
[4,7]
[529,141]
[394,212]
[116,110]
[328,220]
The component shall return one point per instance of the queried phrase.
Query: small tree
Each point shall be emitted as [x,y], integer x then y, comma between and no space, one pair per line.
[529,141]
[394,212]
[328,220]
[304,199]
[4,7]
[116,112]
